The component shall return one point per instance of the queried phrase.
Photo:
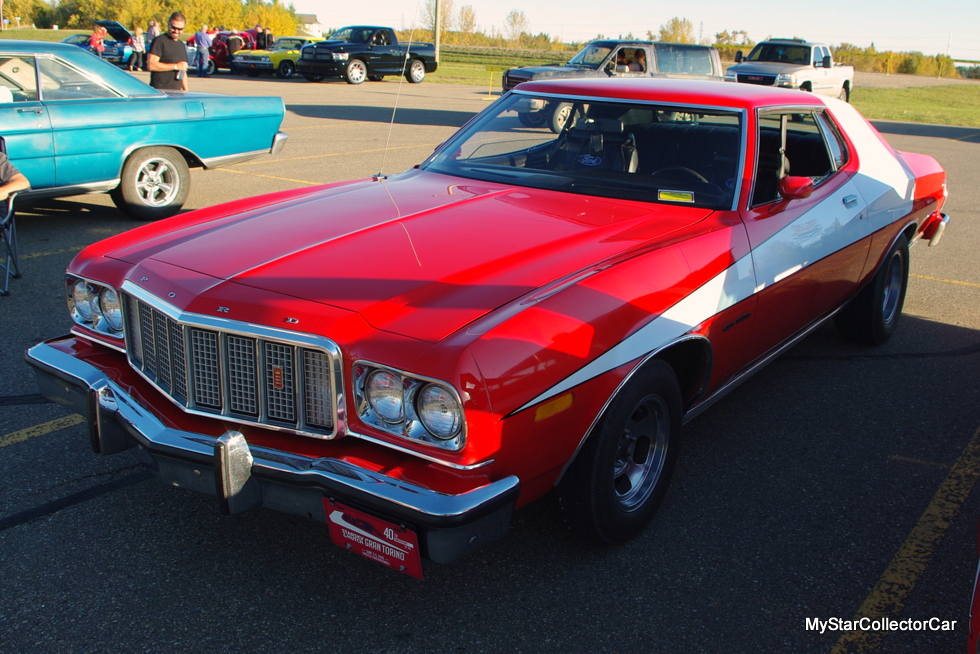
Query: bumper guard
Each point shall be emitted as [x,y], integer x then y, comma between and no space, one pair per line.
[245,477]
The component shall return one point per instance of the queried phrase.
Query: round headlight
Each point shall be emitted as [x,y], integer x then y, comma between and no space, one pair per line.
[439,411]
[81,299]
[111,309]
[386,396]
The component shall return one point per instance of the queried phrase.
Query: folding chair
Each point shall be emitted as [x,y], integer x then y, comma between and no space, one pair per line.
[8,234]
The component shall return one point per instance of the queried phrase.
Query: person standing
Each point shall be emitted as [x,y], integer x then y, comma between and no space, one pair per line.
[234,43]
[138,43]
[95,44]
[167,61]
[153,32]
[202,40]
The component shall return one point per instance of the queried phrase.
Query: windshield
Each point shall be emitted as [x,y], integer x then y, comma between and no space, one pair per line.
[591,56]
[288,44]
[353,34]
[653,153]
[781,52]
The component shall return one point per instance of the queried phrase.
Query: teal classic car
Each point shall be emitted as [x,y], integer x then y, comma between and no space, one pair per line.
[74,124]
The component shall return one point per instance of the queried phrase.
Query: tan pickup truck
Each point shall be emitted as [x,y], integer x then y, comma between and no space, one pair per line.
[794,64]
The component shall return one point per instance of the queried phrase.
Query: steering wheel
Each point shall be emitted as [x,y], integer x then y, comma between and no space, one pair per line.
[684,172]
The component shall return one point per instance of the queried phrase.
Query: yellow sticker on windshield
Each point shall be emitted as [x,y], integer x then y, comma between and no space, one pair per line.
[675,196]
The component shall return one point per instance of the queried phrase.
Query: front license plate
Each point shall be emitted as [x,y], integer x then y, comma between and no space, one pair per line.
[379,540]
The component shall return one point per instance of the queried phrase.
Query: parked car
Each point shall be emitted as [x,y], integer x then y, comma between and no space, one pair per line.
[409,359]
[793,64]
[75,124]
[218,57]
[617,59]
[365,52]
[281,59]
[81,40]
[117,49]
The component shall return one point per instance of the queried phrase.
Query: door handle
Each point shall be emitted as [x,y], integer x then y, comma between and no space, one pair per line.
[36,112]
[850,201]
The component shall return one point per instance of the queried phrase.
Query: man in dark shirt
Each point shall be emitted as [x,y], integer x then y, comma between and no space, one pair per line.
[167,58]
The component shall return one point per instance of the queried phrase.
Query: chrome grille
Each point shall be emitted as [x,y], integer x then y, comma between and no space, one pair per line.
[280,387]
[764,80]
[221,367]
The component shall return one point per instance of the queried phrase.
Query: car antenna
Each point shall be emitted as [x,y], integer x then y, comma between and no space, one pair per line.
[380,176]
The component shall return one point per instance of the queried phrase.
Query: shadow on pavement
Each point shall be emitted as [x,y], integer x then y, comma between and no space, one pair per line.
[965,134]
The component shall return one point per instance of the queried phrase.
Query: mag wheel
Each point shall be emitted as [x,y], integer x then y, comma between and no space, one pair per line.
[286,69]
[617,481]
[560,116]
[356,72]
[872,316]
[416,71]
[154,184]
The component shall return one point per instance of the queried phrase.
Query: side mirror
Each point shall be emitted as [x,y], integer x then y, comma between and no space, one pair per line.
[795,188]
[792,188]
[828,62]
[738,56]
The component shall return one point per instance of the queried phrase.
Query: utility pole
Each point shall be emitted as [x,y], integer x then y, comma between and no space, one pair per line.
[435,28]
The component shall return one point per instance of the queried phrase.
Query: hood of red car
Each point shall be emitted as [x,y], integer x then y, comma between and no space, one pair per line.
[420,255]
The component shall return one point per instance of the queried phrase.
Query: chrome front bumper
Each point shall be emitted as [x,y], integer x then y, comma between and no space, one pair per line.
[244,477]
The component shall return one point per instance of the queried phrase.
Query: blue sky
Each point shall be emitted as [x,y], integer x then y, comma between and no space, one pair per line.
[900,25]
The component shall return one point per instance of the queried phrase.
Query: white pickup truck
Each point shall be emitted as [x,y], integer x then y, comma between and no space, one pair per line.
[794,64]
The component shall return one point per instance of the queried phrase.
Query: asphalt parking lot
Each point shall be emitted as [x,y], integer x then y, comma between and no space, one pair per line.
[837,483]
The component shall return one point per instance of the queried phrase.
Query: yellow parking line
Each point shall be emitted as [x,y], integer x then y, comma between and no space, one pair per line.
[76,248]
[947,281]
[282,179]
[41,430]
[888,597]
[333,154]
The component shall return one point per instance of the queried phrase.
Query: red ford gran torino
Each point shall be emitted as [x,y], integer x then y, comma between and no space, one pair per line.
[409,359]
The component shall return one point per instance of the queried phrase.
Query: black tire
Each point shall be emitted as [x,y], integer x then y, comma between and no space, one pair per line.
[844,94]
[154,184]
[211,68]
[313,78]
[375,78]
[532,118]
[355,72]
[560,116]
[873,315]
[617,481]
[416,71]
[286,69]
[251,72]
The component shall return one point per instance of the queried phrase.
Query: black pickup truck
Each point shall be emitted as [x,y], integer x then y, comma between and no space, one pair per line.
[365,52]
[618,59]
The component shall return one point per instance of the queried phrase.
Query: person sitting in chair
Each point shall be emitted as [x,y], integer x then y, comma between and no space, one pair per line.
[11,179]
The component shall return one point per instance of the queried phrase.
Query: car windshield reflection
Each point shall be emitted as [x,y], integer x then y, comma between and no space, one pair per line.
[656,153]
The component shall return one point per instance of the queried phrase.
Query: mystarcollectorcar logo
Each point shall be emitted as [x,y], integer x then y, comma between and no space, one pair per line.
[878,624]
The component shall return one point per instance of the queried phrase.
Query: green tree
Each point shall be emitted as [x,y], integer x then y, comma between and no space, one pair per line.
[516,26]
[677,30]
